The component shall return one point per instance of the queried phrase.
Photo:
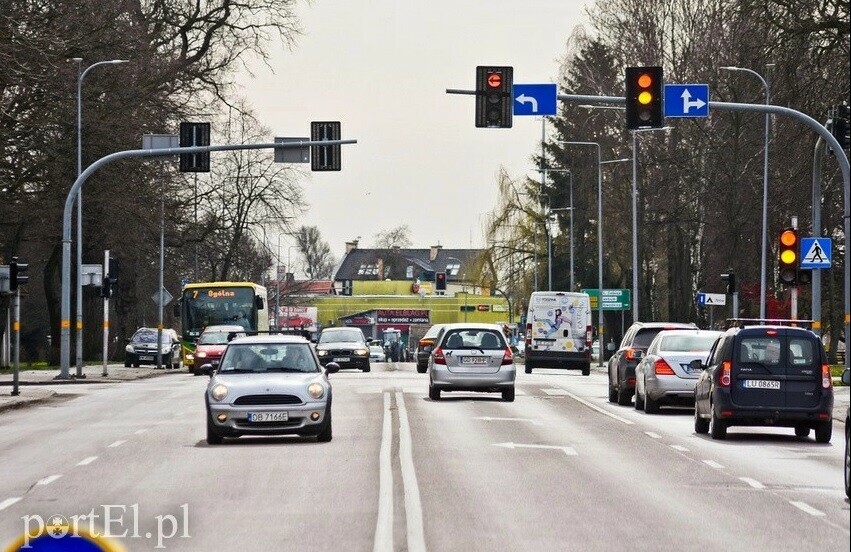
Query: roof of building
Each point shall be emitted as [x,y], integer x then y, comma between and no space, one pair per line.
[381,264]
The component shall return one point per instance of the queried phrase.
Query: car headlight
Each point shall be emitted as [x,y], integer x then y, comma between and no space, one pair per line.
[322,353]
[219,392]
[190,356]
[201,354]
[361,352]
[316,390]
[129,348]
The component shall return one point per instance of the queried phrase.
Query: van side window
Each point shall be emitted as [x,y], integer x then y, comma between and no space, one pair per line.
[800,352]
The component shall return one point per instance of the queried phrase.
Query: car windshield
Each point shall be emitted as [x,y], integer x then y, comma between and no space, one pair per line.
[376,349]
[150,337]
[687,343]
[217,337]
[474,339]
[340,335]
[432,332]
[268,357]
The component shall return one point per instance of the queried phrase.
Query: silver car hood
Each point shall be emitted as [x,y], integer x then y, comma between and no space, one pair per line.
[342,345]
[268,380]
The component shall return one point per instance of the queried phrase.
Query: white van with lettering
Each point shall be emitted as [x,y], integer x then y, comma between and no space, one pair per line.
[558,331]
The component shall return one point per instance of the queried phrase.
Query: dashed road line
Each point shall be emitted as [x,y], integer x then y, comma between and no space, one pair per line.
[555,392]
[140,431]
[8,502]
[49,479]
[652,435]
[87,461]
[804,507]
[679,448]
[117,443]
[713,464]
[752,482]
[599,409]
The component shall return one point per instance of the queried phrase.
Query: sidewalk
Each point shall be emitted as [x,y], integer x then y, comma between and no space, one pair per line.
[32,382]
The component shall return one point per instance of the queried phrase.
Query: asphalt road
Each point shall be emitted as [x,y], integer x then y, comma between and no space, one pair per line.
[558,469]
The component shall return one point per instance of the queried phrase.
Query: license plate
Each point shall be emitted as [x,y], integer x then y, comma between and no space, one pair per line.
[474,360]
[146,358]
[268,416]
[761,384]
[342,359]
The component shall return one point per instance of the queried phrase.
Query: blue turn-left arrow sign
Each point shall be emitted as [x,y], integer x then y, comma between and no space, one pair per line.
[535,99]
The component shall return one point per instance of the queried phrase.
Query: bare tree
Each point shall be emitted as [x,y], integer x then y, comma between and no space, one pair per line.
[318,260]
[399,236]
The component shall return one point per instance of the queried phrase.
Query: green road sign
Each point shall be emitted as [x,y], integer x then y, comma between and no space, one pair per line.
[613,299]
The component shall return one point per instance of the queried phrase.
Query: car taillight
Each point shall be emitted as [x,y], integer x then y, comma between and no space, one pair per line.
[630,354]
[508,357]
[662,368]
[438,356]
[426,342]
[528,335]
[826,380]
[724,376]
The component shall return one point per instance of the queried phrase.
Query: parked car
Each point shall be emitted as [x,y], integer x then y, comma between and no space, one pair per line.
[376,353]
[345,346]
[211,344]
[622,363]
[142,349]
[471,357]
[664,376]
[765,376]
[558,331]
[268,385]
[846,380]
[425,346]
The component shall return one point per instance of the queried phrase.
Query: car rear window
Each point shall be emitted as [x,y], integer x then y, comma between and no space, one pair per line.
[645,336]
[687,343]
[763,349]
[474,339]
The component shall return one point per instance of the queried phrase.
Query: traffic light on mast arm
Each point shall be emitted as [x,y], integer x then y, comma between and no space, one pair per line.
[440,281]
[789,257]
[644,97]
[494,102]
[16,279]
[730,278]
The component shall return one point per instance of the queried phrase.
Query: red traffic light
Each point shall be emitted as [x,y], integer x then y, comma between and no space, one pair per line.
[495,79]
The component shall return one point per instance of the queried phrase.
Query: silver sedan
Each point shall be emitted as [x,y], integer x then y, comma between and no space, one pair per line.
[471,357]
[268,385]
[664,376]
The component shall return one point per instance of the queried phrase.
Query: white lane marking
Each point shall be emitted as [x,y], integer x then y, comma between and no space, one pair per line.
[87,461]
[713,464]
[117,443]
[679,448]
[600,410]
[49,479]
[490,419]
[384,524]
[413,504]
[652,435]
[803,506]
[555,392]
[8,502]
[567,450]
[752,482]
[140,431]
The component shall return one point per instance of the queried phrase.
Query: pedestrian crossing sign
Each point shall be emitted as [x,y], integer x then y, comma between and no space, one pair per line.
[815,252]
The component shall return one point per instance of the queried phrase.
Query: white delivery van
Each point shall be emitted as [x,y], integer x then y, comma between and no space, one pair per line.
[558,331]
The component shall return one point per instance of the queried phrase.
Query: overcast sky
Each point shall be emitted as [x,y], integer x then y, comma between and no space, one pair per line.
[381,67]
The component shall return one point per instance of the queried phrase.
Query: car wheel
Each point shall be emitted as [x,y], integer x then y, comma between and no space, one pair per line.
[824,431]
[421,369]
[586,369]
[802,431]
[639,401]
[613,394]
[213,435]
[325,435]
[700,425]
[433,393]
[624,396]
[650,406]
[847,460]
[167,361]
[135,365]
[508,394]
[127,364]
[717,428]
[367,368]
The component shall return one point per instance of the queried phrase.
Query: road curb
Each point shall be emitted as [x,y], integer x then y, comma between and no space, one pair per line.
[28,402]
[95,379]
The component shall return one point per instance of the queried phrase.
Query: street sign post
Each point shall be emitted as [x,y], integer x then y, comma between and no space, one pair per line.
[711,299]
[613,299]
[686,100]
[535,99]
[816,252]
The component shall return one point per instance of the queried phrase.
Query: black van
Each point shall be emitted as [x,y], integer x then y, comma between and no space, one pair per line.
[765,376]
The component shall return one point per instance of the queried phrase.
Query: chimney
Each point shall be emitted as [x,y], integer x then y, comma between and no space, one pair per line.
[351,246]
[435,249]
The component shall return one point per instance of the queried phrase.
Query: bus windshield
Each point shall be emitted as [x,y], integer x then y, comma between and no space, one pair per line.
[207,306]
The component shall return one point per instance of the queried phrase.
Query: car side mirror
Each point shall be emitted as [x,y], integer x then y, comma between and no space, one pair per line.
[696,365]
[846,377]
[208,369]
[332,368]
[638,354]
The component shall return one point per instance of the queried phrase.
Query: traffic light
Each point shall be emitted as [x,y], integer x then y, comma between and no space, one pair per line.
[730,278]
[194,134]
[325,158]
[15,277]
[110,281]
[494,102]
[440,281]
[644,97]
[788,270]
[840,126]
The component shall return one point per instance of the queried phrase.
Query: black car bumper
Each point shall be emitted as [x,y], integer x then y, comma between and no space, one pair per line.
[733,414]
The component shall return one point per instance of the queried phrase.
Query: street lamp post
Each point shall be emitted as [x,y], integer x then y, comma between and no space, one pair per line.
[80,76]
[762,276]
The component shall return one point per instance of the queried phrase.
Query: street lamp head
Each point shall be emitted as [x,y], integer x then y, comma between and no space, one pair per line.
[730,68]
[120,61]
[77,59]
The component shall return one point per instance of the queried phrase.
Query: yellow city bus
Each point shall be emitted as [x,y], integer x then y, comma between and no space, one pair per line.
[207,303]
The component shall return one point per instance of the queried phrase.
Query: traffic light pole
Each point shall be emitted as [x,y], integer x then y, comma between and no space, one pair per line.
[65,313]
[16,330]
[105,314]
[793,293]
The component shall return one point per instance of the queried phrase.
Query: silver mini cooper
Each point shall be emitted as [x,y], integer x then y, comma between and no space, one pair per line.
[268,385]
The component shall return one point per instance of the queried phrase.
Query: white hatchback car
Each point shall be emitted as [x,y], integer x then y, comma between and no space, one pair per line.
[471,357]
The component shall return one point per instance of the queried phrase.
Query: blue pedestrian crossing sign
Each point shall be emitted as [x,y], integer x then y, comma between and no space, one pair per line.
[534,99]
[815,252]
[686,100]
